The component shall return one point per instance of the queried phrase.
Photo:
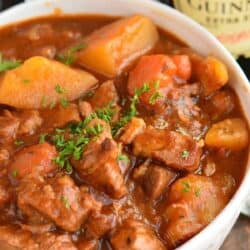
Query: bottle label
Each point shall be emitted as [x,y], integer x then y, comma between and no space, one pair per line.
[228,20]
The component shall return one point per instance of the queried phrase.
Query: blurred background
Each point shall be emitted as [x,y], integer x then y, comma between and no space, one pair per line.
[220,24]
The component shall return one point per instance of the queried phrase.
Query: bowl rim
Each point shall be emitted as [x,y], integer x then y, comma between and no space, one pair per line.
[242,191]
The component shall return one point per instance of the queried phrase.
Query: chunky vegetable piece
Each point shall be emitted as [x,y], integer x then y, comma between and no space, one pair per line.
[110,49]
[230,133]
[44,77]
[212,73]
[193,202]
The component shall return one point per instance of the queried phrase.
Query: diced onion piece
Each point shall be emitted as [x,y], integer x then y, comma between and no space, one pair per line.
[230,134]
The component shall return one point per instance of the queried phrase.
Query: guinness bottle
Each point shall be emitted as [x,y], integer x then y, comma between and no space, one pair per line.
[228,20]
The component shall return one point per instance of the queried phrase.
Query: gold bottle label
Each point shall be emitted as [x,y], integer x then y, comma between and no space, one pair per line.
[228,20]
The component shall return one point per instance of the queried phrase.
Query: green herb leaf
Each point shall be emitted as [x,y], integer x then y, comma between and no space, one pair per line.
[156,84]
[185,154]
[153,98]
[42,138]
[198,192]
[14,172]
[69,57]
[186,187]
[65,202]
[64,102]
[59,89]
[132,111]
[18,142]
[123,157]
[8,64]
[26,81]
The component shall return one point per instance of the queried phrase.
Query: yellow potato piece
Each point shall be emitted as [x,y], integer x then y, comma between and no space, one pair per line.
[33,84]
[230,133]
[110,49]
[213,75]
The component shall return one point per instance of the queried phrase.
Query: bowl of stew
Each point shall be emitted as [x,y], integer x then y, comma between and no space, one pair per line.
[123,125]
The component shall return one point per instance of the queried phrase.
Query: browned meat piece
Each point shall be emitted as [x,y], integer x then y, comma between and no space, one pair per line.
[58,199]
[4,156]
[100,223]
[38,229]
[135,127]
[154,179]
[135,235]
[174,149]
[8,128]
[193,202]
[33,160]
[99,168]
[220,104]
[88,245]
[6,191]
[51,241]
[85,108]
[13,238]
[30,121]
[105,94]
[61,116]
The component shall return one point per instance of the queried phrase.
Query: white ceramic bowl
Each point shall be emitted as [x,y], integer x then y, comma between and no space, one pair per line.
[196,37]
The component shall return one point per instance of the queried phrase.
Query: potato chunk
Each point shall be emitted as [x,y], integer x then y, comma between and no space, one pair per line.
[212,74]
[230,133]
[33,84]
[111,48]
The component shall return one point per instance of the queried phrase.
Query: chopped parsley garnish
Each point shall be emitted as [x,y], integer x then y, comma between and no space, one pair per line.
[185,154]
[186,187]
[42,138]
[26,81]
[14,172]
[65,202]
[132,111]
[18,142]
[69,57]
[198,192]
[59,89]
[156,84]
[123,157]
[64,102]
[8,64]
[153,98]
[44,101]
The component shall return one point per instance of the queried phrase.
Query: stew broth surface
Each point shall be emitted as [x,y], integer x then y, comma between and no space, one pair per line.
[186,114]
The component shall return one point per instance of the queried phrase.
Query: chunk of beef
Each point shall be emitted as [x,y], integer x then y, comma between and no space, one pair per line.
[174,149]
[6,191]
[13,238]
[58,199]
[220,104]
[51,241]
[100,223]
[105,94]
[33,160]
[8,128]
[154,179]
[4,156]
[85,108]
[30,121]
[135,235]
[88,245]
[99,168]
[193,202]
[61,116]
[135,127]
